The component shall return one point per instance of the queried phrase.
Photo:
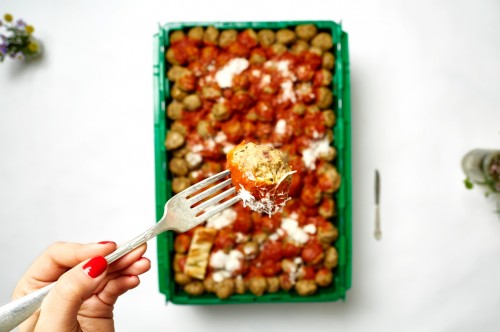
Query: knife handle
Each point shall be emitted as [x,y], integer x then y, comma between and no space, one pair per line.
[378,232]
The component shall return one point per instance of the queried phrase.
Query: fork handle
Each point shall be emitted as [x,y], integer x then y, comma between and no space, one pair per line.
[16,312]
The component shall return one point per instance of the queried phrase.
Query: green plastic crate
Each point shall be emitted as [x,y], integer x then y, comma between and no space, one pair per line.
[342,142]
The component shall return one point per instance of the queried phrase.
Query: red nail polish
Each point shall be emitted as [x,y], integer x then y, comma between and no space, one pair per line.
[95,267]
[105,242]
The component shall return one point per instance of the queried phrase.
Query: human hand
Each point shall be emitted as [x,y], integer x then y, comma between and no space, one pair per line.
[86,288]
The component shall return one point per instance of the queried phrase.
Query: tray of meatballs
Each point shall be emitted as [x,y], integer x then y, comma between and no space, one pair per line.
[278,88]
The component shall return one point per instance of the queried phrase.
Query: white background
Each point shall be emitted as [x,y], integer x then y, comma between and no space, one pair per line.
[77,156]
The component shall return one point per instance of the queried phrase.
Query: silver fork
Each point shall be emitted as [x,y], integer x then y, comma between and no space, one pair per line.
[179,216]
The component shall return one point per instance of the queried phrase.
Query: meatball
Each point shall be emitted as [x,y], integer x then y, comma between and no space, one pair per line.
[266,37]
[299,46]
[329,179]
[327,208]
[178,166]
[240,286]
[181,152]
[322,41]
[328,60]
[324,97]
[192,102]
[273,284]
[179,184]
[260,237]
[278,48]
[176,72]
[210,93]
[324,277]
[257,285]
[187,81]
[196,34]
[262,176]
[224,289]
[227,37]
[182,279]
[288,266]
[331,258]
[285,36]
[329,118]
[180,128]
[181,243]
[177,36]
[328,235]
[306,31]
[174,140]
[204,129]
[258,56]
[248,38]
[209,284]
[220,112]
[323,77]
[177,93]
[251,249]
[285,282]
[306,287]
[174,110]
[179,261]
[211,36]
[299,109]
[171,57]
[194,288]
[312,253]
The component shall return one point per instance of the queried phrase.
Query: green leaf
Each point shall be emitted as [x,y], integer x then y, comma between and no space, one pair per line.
[468,184]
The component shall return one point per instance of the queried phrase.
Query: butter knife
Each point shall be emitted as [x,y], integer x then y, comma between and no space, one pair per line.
[378,232]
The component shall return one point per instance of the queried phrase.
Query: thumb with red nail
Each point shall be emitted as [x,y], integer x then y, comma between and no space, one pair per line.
[87,288]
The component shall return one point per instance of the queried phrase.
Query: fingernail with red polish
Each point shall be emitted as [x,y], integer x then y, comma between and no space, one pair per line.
[95,267]
[105,242]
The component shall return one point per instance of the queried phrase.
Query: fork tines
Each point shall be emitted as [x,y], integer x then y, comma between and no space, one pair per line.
[194,196]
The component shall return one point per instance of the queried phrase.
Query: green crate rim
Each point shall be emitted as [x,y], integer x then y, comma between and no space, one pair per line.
[342,132]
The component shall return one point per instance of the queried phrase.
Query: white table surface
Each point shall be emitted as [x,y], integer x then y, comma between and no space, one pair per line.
[77,162]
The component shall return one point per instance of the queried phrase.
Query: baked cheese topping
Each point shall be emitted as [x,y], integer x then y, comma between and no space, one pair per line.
[261,176]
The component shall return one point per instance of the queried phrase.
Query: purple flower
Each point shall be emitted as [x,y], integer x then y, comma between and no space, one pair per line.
[3,49]
[21,23]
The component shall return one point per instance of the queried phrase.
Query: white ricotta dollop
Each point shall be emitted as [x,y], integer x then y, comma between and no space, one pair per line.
[225,264]
[315,149]
[194,159]
[294,232]
[287,92]
[222,219]
[310,229]
[224,77]
[280,127]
